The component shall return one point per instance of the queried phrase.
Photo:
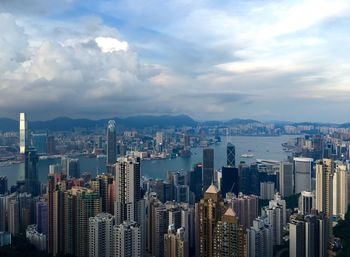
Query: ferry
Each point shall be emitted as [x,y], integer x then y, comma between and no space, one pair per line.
[247,155]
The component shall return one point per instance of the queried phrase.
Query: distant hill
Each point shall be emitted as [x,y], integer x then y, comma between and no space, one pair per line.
[232,122]
[8,124]
[142,121]
[67,124]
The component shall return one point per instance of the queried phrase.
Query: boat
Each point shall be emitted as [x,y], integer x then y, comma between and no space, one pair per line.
[247,155]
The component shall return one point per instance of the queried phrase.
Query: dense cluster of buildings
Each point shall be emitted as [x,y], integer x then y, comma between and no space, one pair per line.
[239,210]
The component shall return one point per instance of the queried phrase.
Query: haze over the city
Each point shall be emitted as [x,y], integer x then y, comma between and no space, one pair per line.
[266,60]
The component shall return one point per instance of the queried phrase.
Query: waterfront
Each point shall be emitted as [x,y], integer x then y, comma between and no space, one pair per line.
[262,147]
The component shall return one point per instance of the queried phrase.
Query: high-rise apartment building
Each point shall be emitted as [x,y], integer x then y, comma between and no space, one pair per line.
[86,205]
[340,191]
[324,186]
[229,236]
[306,202]
[13,216]
[128,192]
[103,184]
[127,239]
[3,208]
[70,219]
[175,244]
[208,167]
[101,235]
[296,238]
[111,142]
[308,235]
[41,218]
[51,184]
[274,215]
[246,208]
[260,243]
[210,210]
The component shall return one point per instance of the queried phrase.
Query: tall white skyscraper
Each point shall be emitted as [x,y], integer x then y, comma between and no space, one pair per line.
[101,235]
[340,191]
[286,179]
[302,174]
[128,194]
[23,132]
[127,240]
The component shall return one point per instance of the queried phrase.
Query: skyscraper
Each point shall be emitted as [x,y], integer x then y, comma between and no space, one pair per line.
[208,167]
[231,155]
[127,239]
[286,179]
[196,181]
[210,210]
[308,235]
[23,133]
[3,185]
[51,183]
[306,202]
[128,193]
[229,236]
[246,208]
[324,186]
[40,143]
[73,169]
[42,217]
[85,204]
[101,235]
[32,184]
[13,216]
[229,181]
[275,215]
[51,145]
[302,174]
[111,142]
[3,207]
[175,244]
[260,242]
[103,184]
[340,191]
[296,238]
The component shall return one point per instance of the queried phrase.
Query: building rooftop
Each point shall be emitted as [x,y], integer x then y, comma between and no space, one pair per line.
[230,212]
[212,189]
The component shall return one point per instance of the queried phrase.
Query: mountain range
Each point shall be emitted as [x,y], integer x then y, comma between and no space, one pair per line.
[137,122]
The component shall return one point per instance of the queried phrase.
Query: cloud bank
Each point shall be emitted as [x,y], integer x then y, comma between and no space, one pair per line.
[285,60]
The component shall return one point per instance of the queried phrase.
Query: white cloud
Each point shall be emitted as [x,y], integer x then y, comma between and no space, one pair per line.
[109,45]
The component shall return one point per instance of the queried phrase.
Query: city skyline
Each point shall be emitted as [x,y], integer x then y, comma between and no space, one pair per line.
[259,60]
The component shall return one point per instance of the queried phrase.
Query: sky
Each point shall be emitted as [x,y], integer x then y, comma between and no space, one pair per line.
[259,59]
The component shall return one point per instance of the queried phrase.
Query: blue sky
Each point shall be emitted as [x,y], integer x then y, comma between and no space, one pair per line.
[266,60]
